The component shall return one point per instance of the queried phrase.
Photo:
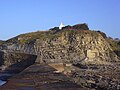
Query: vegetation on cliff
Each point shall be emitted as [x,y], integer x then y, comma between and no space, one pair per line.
[115,45]
[72,32]
[53,32]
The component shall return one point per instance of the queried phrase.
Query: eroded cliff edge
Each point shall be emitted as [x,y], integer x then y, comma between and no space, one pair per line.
[13,63]
[70,45]
[87,56]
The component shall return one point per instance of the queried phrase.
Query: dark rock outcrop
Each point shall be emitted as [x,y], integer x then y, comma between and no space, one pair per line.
[13,63]
[1,58]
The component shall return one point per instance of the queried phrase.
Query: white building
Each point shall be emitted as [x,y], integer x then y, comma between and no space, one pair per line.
[61,26]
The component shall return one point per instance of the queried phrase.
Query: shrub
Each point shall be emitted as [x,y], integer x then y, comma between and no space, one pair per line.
[83,26]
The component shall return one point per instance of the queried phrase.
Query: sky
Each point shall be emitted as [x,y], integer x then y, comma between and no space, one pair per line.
[23,16]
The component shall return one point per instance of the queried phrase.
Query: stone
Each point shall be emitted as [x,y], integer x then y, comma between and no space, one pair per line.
[91,54]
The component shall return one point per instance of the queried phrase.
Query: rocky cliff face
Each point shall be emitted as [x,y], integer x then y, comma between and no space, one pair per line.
[12,61]
[67,46]
[88,57]
[115,45]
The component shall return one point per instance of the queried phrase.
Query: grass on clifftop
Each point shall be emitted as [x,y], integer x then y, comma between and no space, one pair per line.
[115,45]
[30,38]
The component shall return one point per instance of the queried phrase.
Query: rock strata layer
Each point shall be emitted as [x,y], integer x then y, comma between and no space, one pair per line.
[41,77]
[65,46]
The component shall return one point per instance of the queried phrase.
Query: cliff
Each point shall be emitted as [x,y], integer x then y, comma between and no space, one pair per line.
[89,57]
[67,46]
[12,63]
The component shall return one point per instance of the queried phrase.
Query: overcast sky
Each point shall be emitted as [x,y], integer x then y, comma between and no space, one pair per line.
[22,16]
